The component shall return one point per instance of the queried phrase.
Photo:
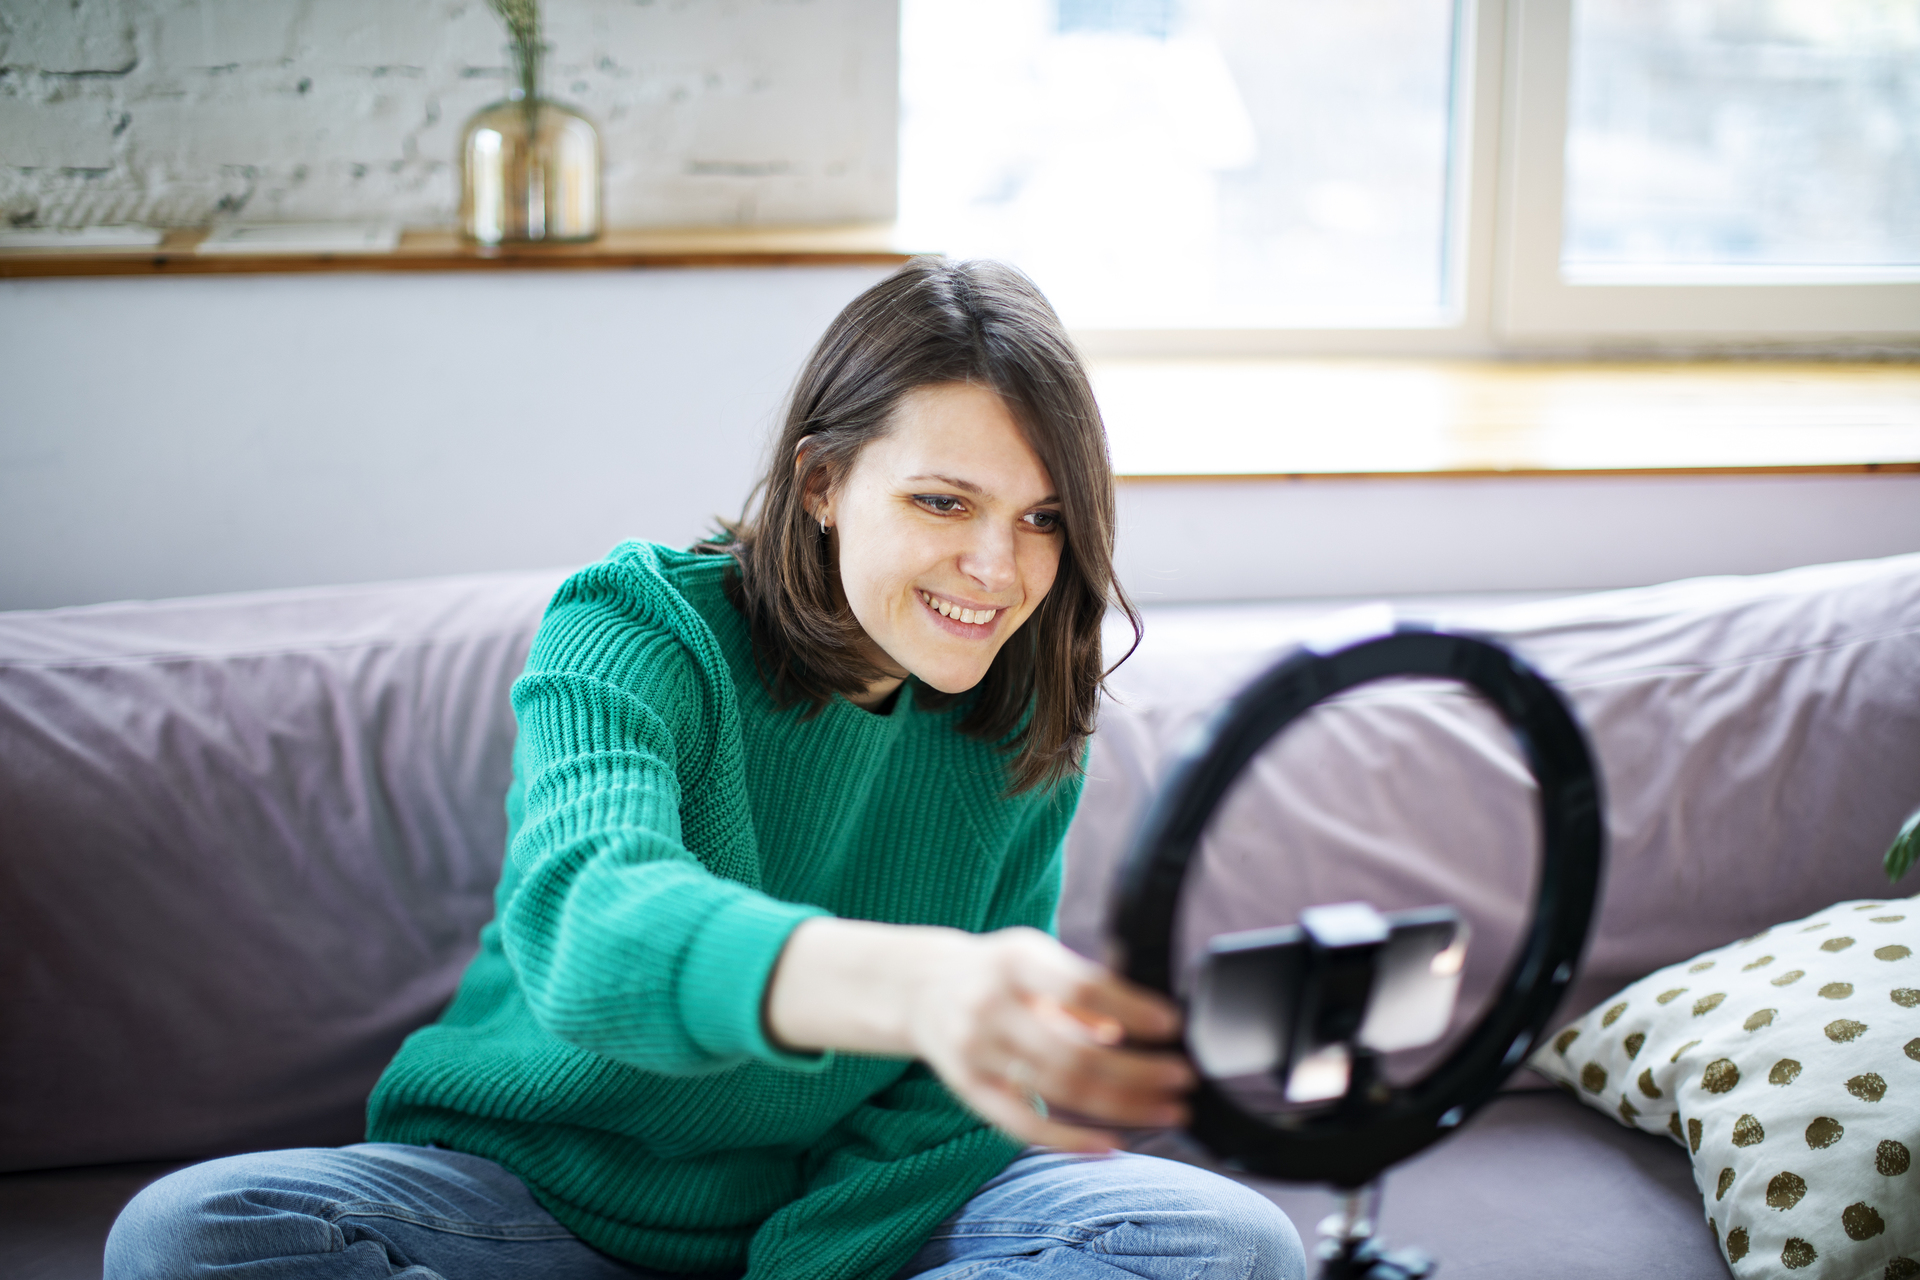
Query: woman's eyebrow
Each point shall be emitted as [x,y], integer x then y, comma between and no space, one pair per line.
[967,486]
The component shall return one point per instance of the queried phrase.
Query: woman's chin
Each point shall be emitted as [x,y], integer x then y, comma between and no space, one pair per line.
[951,679]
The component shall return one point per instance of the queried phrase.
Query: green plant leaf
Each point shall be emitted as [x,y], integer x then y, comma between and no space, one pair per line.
[1905,849]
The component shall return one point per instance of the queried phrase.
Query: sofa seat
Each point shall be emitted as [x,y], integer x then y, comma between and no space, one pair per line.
[1537,1185]
[54,1222]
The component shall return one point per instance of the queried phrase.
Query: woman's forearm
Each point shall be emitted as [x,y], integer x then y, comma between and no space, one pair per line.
[854,984]
[1010,1021]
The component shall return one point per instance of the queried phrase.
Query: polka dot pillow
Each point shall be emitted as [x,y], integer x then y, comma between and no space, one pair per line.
[1788,1065]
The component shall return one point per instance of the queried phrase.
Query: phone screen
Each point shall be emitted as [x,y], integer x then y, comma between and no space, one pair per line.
[1245,1013]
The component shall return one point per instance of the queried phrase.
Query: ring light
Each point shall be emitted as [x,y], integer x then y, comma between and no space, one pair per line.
[1374,1125]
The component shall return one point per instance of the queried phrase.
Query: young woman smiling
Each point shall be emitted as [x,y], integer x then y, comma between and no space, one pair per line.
[767,991]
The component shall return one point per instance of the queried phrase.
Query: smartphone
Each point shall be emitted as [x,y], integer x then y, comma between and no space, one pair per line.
[1287,1001]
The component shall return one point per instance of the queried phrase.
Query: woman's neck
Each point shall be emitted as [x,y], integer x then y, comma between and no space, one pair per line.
[880,696]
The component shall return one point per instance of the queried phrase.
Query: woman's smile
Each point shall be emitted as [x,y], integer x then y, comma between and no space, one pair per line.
[956,619]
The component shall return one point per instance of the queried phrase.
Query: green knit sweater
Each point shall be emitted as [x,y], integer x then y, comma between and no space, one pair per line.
[669,825]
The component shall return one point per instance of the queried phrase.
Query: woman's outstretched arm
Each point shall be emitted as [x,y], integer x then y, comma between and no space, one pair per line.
[1001,1017]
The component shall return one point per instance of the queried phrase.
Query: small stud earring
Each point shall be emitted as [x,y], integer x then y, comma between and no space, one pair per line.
[823,528]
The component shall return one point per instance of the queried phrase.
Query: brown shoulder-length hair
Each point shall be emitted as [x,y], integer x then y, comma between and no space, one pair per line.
[932,322]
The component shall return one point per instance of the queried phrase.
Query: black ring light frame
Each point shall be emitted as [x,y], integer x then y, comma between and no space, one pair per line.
[1352,1141]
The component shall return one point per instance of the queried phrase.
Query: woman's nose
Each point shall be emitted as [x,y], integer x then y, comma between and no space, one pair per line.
[988,558]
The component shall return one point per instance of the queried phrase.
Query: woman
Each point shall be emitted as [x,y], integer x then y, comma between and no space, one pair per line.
[766,991]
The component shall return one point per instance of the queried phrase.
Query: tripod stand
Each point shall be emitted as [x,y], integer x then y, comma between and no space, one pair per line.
[1349,1249]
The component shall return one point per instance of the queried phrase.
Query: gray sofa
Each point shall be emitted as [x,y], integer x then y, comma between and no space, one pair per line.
[248,841]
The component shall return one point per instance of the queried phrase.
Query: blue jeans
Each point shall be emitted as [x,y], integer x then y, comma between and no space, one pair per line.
[384,1210]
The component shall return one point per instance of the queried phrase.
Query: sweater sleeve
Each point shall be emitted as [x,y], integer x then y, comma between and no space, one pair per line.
[623,942]
[913,1153]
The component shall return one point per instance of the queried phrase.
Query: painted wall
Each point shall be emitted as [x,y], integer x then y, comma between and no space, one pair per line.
[1278,539]
[194,434]
[162,437]
[181,112]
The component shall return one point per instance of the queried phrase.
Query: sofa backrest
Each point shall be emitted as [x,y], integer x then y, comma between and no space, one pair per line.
[246,845]
[247,842]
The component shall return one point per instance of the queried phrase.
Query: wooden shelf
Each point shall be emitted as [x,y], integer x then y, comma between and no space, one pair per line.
[439,250]
[1328,419]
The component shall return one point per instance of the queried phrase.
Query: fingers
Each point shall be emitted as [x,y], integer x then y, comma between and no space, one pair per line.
[1144,1015]
[1017,1115]
[1027,1020]
[1109,1005]
[1073,1058]
[1123,1087]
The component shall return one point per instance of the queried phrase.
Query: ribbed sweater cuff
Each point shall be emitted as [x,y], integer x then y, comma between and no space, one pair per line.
[724,983]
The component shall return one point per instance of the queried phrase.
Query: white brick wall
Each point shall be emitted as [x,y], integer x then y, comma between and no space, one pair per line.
[180,112]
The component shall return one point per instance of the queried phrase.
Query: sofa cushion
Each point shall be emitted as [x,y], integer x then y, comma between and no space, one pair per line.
[248,845]
[1788,1064]
[1759,741]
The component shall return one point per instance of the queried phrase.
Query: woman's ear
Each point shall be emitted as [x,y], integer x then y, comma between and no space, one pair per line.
[814,494]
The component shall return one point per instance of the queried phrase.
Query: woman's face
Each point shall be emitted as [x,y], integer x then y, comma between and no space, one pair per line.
[946,534]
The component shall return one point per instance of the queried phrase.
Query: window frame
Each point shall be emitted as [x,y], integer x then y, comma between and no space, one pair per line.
[1504,293]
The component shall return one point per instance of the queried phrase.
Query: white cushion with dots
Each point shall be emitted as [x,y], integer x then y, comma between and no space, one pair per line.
[1788,1064]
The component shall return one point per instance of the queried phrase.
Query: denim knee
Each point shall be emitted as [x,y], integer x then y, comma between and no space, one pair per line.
[214,1215]
[1269,1236]
[1251,1236]
[1148,1216]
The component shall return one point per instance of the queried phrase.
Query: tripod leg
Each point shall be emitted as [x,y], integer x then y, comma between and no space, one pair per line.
[1350,1249]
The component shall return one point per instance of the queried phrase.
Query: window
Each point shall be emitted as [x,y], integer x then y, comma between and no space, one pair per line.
[1739,141]
[1194,163]
[1740,170]
[1426,176]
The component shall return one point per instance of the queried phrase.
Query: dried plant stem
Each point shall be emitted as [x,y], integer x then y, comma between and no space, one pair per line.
[522,18]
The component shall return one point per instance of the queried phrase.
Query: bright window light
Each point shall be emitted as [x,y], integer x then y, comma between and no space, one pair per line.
[1712,138]
[1163,164]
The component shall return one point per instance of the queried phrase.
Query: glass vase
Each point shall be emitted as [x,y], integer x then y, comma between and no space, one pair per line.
[530,169]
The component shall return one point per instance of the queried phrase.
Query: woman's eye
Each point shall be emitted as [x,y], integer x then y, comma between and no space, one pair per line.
[1045,521]
[940,502]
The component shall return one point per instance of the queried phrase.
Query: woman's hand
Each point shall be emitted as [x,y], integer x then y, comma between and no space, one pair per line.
[1004,1018]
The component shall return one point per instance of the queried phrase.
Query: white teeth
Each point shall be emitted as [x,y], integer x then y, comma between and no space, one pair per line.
[947,609]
